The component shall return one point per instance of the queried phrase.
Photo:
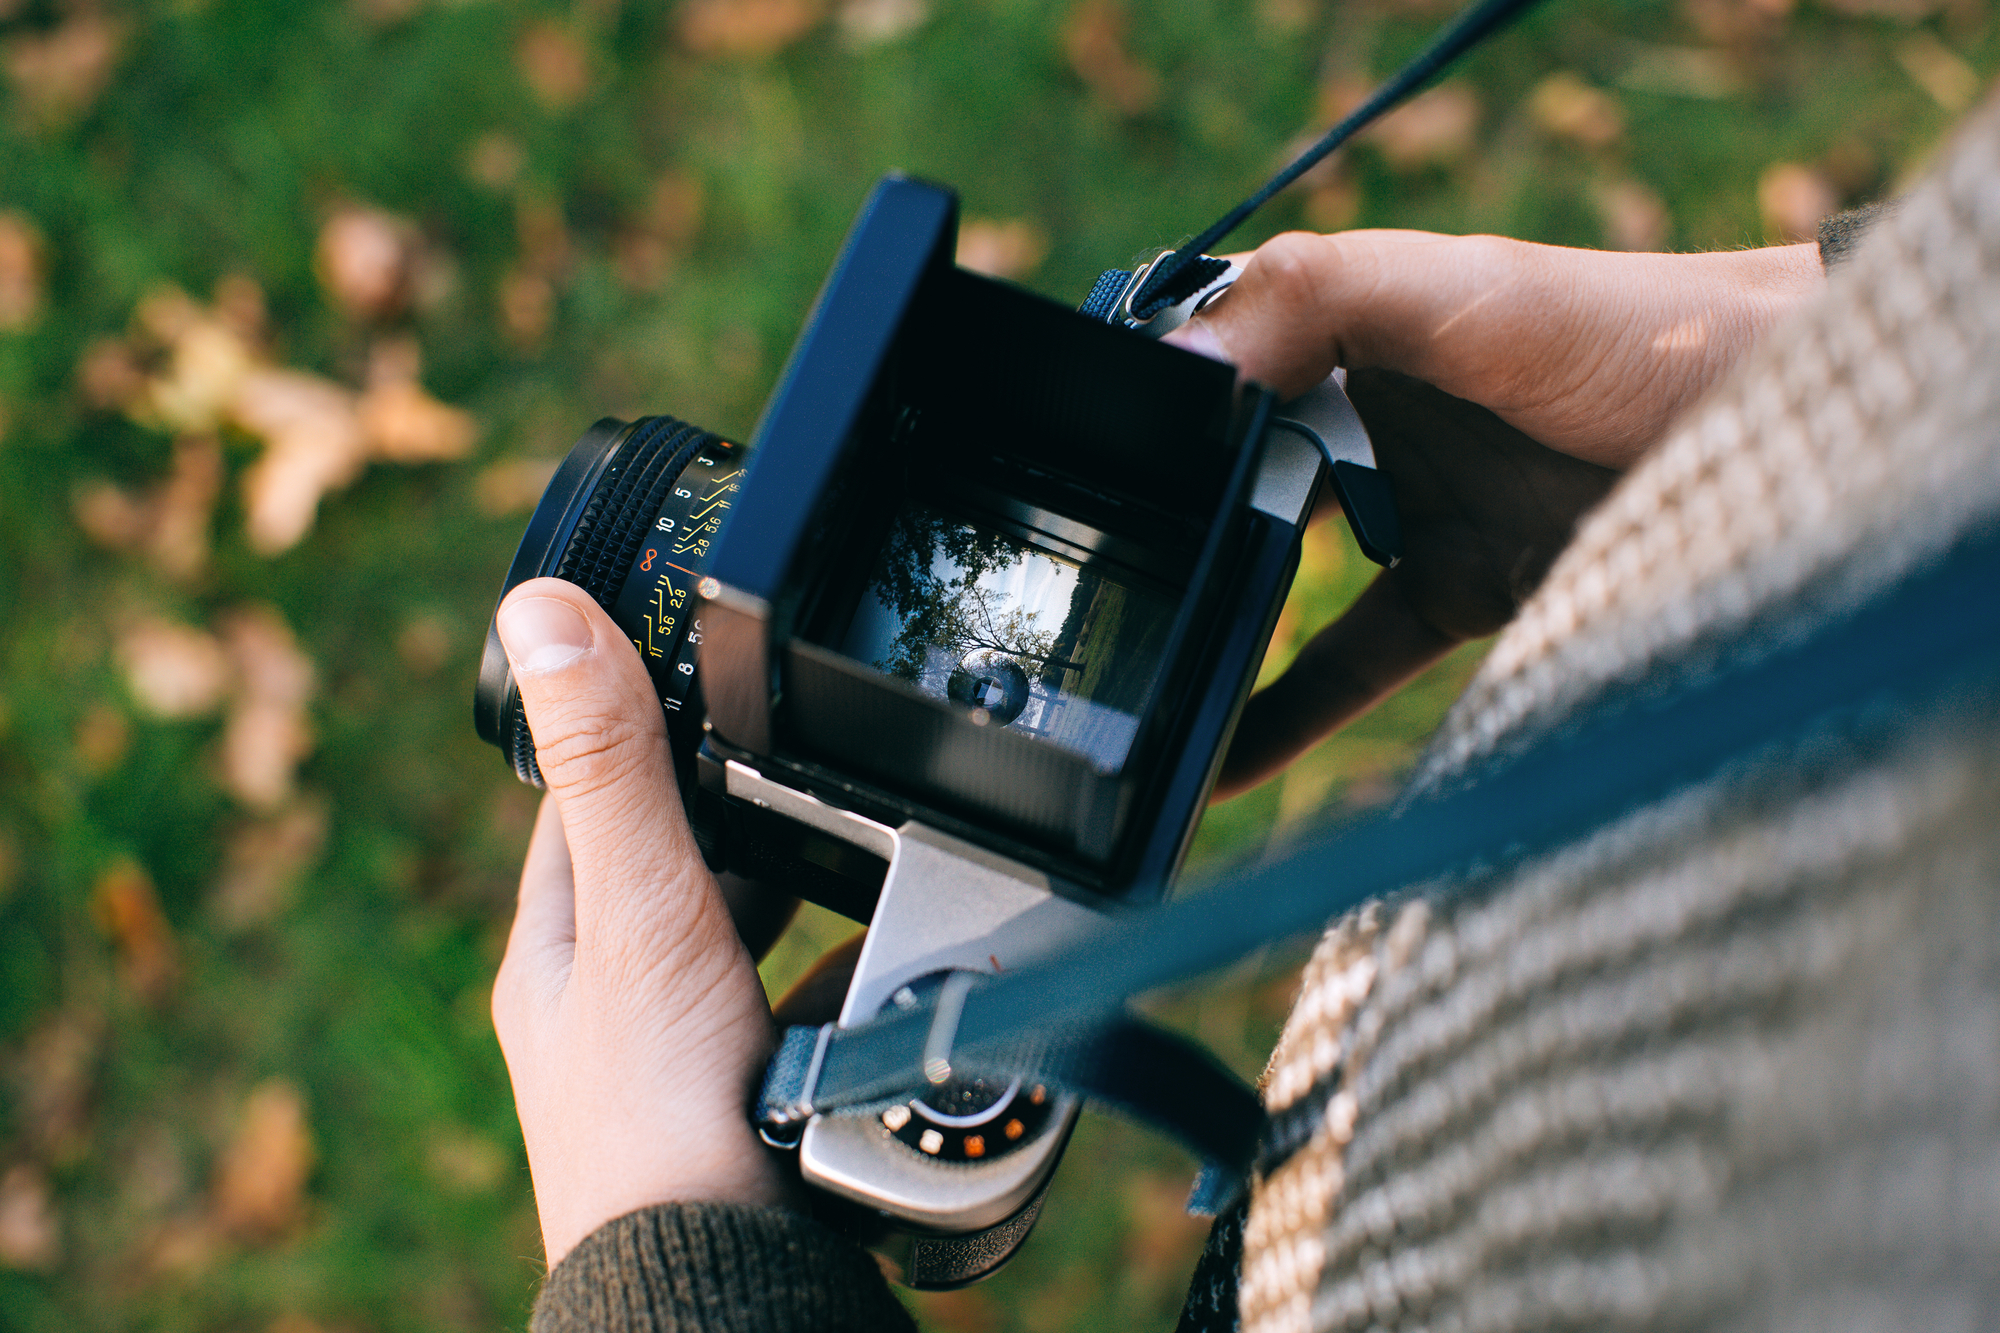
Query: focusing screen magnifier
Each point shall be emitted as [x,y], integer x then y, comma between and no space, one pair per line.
[953,647]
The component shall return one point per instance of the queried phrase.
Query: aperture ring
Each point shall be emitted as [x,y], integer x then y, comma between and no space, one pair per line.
[655,604]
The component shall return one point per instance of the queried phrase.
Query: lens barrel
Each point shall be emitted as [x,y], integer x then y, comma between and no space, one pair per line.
[631,518]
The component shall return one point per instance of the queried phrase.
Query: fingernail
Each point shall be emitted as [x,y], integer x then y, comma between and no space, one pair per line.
[541,634]
[1195,336]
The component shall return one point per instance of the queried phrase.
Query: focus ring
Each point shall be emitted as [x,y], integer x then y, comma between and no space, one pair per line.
[621,507]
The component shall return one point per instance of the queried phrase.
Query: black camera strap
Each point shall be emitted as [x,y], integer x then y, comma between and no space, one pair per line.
[1188,269]
[1065,1019]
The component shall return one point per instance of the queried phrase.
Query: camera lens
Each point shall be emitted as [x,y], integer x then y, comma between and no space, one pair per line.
[631,517]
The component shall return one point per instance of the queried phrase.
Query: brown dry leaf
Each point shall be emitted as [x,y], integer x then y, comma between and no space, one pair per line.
[52,1083]
[746,29]
[646,250]
[111,518]
[1745,22]
[260,1180]
[1333,206]
[1436,128]
[464,1162]
[268,734]
[425,645]
[1161,1240]
[406,425]
[496,161]
[870,23]
[58,75]
[207,363]
[1939,71]
[365,258]
[109,375]
[1008,248]
[30,1231]
[542,233]
[264,862]
[513,487]
[101,739]
[1094,40]
[20,272]
[1635,218]
[1907,11]
[170,522]
[314,444]
[527,306]
[127,909]
[554,64]
[1566,107]
[1792,200]
[1682,71]
[185,506]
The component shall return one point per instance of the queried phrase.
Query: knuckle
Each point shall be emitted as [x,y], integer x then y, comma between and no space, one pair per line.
[582,747]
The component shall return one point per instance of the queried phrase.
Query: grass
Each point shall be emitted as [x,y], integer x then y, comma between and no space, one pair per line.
[607,209]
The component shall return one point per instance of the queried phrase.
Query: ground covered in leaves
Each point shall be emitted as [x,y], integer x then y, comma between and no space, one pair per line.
[299,303]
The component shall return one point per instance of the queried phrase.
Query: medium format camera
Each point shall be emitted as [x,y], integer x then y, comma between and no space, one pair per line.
[953,647]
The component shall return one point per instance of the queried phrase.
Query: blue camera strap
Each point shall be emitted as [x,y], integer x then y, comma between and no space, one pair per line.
[1065,1020]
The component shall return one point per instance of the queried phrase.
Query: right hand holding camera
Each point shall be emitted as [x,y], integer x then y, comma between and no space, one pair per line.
[1503,384]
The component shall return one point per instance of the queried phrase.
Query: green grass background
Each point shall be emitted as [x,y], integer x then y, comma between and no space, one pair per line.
[224,135]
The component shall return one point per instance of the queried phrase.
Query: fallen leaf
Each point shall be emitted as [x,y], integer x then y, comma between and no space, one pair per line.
[1739,23]
[1333,206]
[1635,218]
[364,259]
[261,1177]
[1682,71]
[514,486]
[1566,107]
[1161,1239]
[1435,129]
[647,248]
[185,506]
[554,64]
[871,23]
[1906,11]
[20,272]
[314,443]
[1939,71]
[30,1232]
[1011,248]
[745,29]
[542,234]
[264,863]
[207,363]
[170,522]
[101,739]
[112,518]
[268,734]
[174,670]
[464,1162]
[239,304]
[1792,200]
[527,305]
[57,75]
[404,424]
[495,161]
[52,1082]
[128,912]
[425,645]
[1094,40]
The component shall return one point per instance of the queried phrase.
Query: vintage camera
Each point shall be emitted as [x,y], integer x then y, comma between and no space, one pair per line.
[962,661]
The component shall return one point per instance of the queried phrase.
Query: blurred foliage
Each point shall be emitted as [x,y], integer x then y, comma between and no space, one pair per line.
[255,870]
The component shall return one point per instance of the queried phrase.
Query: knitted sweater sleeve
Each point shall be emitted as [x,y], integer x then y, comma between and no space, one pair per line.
[683,1267]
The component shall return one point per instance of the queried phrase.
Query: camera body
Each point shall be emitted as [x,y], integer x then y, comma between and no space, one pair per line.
[995,582]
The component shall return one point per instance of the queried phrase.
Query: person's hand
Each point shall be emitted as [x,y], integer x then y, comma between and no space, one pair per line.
[629,1011]
[1466,356]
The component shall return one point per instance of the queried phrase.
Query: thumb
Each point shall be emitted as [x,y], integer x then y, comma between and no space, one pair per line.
[601,743]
